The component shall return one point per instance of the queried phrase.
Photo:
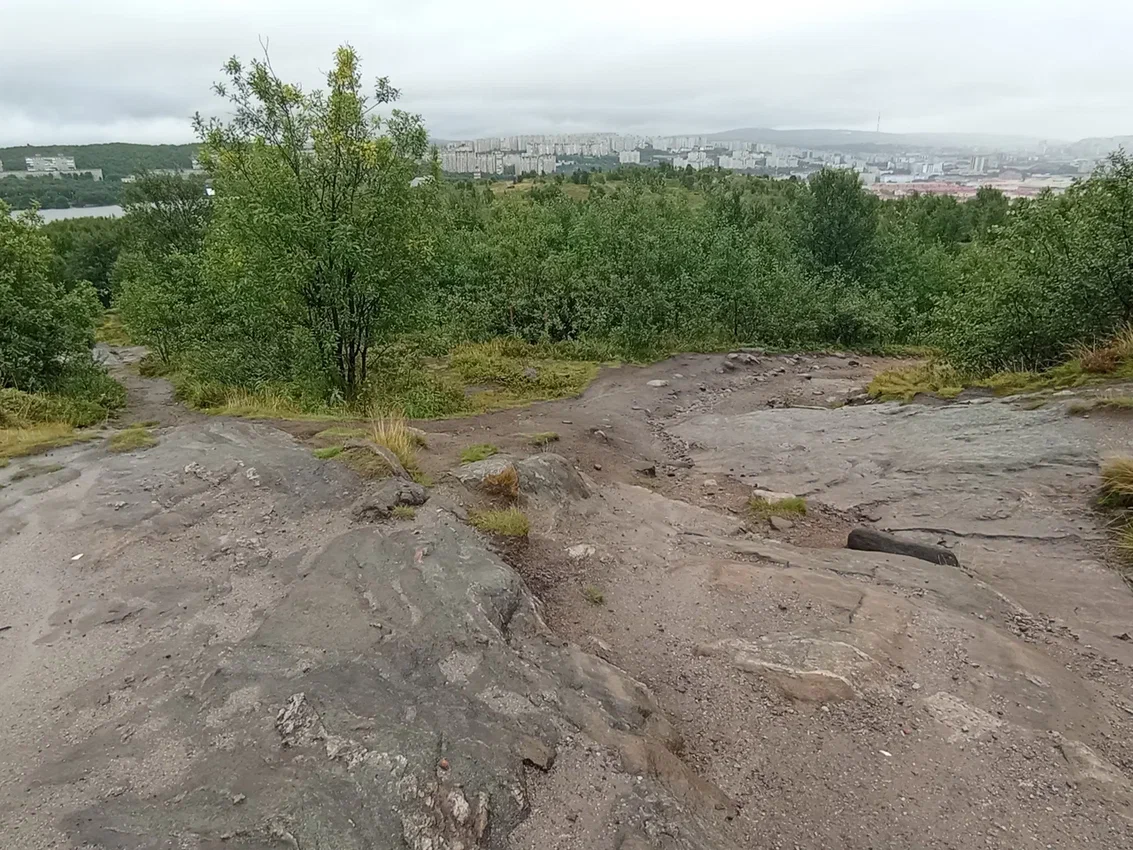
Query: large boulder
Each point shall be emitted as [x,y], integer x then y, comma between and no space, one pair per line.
[396,696]
[545,476]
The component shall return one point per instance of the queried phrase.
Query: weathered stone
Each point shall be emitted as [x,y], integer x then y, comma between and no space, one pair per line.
[780,523]
[872,540]
[657,383]
[380,503]
[543,476]
[805,669]
[580,552]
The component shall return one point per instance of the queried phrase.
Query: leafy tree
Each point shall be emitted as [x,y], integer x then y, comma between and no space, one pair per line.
[839,223]
[315,207]
[86,249]
[45,328]
[158,274]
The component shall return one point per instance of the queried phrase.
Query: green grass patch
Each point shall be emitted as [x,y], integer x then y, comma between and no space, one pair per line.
[593,595]
[31,423]
[327,452]
[339,432]
[542,439]
[34,470]
[792,506]
[480,451]
[111,330]
[132,440]
[404,512]
[509,522]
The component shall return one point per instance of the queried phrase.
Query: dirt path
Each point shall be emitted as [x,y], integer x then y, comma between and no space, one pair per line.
[147,399]
[206,651]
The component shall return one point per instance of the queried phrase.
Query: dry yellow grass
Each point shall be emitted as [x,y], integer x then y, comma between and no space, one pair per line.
[390,429]
[1117,481]
[503,484]
[20,442]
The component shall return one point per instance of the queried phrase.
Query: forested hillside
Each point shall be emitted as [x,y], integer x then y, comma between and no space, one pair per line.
[116,159]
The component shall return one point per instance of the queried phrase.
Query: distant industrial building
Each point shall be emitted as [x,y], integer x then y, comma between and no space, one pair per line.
[51,166]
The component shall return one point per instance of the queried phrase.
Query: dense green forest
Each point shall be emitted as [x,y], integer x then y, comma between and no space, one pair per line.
[319,272]
[52,193]
[116,159]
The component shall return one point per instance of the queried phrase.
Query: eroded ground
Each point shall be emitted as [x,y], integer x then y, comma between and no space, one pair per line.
[205,650]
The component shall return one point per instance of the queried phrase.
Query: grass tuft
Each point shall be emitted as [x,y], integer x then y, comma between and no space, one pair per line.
[542,438]
[132,439]
[327,452]
[392,431]
[503,484]
[593,595]
[480,451]
[1117,482]
[509,522]
[404,512]
[793,506]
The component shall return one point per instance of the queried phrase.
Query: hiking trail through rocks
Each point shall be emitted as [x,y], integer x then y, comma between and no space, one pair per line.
[236,661]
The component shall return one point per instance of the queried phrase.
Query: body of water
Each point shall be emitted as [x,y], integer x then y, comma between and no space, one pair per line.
[112,211]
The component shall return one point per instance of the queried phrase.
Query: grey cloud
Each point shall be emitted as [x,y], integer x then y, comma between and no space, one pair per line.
[1040,68]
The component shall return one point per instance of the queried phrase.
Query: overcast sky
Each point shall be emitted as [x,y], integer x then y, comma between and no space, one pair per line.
[135,70]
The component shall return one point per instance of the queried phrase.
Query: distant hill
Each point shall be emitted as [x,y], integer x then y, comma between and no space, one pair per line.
[116,159]
[867,139]
[1100,145]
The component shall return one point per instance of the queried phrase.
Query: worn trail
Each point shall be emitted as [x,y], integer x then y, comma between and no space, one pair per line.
[206,649]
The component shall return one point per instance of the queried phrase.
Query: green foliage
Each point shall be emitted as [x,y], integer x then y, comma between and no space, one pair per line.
[480,451]
[57,193]
[791,506]
[508,522]
[132,440]
[116,159]
[86,249]
[542,439]
[46,329]
[328,452]
[316,218]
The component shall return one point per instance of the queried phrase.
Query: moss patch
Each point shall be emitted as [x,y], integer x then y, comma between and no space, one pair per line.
[404,512]
[132,440]
[327,452]
[793,506]
[480,451]
[542,439]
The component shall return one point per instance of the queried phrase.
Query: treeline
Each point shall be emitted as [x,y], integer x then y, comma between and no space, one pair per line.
[325,267]
[55,193]
[116,159]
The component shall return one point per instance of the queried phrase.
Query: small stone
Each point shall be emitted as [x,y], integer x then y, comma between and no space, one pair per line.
[916,686]
[237,799]
[657,382]
[781,523]
[531,374]
[678,376]
[580,552]
[710,484]
[598,467]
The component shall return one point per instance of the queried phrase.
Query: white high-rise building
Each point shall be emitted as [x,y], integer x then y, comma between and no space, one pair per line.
[630,157]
